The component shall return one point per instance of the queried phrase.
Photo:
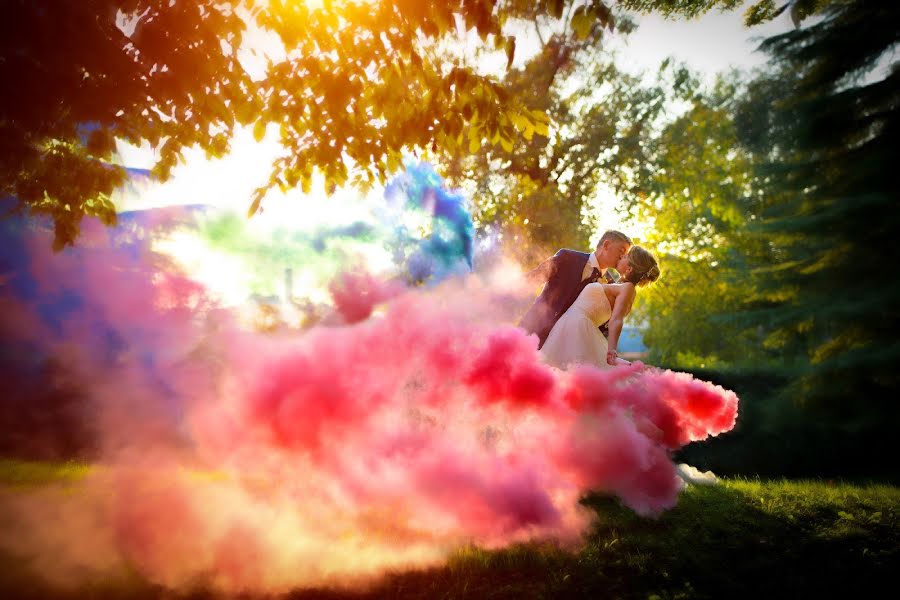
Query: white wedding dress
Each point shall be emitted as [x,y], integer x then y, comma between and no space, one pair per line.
[575,338]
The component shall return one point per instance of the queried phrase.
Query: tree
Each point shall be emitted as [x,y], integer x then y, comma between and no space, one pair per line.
[542,188]
[361,83]
[76,81]
[603,122]
[832,148]
[169,73]
[698,188]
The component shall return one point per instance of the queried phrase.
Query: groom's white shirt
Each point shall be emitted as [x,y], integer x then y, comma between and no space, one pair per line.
[590,266]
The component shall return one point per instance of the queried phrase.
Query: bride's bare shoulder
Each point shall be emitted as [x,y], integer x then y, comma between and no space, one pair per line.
[614,291]
[616,288]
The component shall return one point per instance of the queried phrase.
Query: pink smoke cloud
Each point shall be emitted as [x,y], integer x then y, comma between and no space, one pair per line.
[340,452]
[356,294]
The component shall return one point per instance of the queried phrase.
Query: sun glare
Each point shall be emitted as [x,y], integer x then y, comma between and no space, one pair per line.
[225,277]
[604,210]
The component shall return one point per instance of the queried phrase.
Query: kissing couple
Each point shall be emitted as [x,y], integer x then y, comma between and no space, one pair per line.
[579,315]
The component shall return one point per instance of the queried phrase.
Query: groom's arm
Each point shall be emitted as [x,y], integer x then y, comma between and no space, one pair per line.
[543,272]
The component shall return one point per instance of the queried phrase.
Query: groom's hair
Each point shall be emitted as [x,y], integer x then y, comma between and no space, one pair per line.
[614,236]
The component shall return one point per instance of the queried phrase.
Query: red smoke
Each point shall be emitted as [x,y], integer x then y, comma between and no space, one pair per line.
[356,294]
[344,451]
[434,417]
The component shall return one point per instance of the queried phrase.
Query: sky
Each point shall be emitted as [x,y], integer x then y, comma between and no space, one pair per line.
[711,44]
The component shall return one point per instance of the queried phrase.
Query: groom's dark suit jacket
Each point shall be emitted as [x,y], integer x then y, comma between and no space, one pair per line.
[564,270]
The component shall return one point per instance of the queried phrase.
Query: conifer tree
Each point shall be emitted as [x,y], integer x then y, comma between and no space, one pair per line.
[832,294]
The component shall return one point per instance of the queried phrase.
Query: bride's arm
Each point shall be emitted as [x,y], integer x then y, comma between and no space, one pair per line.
[624,300]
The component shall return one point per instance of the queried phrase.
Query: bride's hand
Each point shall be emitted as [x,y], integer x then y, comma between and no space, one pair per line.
[611,358]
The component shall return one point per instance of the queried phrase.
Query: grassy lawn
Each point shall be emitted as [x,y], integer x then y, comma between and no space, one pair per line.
[744,538]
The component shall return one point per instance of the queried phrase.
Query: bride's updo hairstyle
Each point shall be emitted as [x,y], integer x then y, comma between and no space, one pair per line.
[644,268]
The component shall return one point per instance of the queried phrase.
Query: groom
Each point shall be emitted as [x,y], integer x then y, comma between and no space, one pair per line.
[566,273]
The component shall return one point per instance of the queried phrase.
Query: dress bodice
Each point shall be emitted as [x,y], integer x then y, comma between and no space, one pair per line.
[593,302]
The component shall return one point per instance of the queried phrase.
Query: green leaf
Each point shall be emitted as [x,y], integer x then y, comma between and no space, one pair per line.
[254,206]
[539,116]
[510,50]
[243,111]
[259,130]
[518,121]
[393,162]
[582,22]
[556,8]
[101,143]
[474,144]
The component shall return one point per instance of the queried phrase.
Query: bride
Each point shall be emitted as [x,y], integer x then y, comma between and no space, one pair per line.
[576,339]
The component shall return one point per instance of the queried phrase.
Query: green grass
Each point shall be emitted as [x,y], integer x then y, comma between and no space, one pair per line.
[744,538]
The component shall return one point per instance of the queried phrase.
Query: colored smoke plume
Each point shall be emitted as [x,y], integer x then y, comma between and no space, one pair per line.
[356,294]
[448,247]
[420,232]
[257,462]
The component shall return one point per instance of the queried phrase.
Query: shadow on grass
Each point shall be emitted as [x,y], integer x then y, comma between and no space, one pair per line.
[724,541]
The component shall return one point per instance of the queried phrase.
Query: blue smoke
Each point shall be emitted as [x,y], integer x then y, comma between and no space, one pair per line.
[448,248]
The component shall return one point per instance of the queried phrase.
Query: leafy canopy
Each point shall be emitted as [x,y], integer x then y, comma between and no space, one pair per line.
[361,83]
